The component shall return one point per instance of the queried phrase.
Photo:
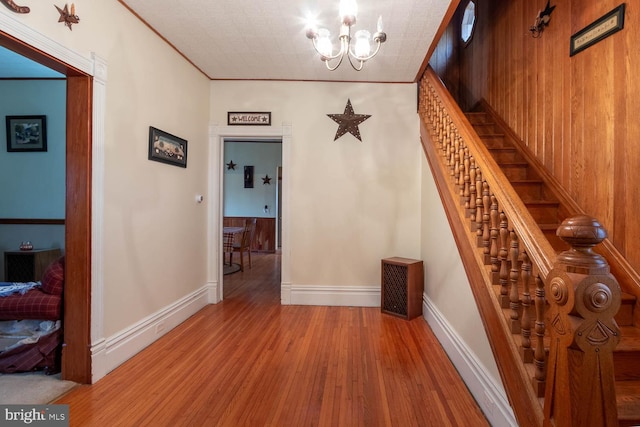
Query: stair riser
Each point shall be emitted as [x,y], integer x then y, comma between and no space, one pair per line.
[627,367]
[624,317]
[506,156]
[558,244]
[519,172]
[477,118]
[492,141]
[529,191]
[543,214]
[484,129]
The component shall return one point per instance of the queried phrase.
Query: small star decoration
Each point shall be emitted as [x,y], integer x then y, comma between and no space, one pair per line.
[67,17]
[348,121]
[266,180]
[231,165]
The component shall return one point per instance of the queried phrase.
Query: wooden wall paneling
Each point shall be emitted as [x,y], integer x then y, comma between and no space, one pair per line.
[627,152]
[577,114]
[264,239]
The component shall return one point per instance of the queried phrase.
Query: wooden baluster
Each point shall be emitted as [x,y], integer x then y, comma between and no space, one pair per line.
[447,140]
[465,175]
[471,212]
[442,114]
[526,350]
[464,169]
[539,356]
[454,151]
[503,255]
[486,219]
[583,299]
[456,158]
[477,227]
[493,252]
[514,276]
[434,112]
[462,149]
[430,101]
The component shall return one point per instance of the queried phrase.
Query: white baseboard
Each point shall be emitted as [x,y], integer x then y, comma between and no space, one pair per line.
[486,392]
[109,353]
[351,296]
[285,293]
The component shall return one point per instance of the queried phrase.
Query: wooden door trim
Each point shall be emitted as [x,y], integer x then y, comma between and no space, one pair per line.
[76,357]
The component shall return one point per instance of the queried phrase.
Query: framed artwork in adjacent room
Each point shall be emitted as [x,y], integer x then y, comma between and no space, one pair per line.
[26,133]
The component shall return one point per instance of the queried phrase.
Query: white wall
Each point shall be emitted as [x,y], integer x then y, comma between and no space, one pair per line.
[154,247]
[451,311]
[352,203]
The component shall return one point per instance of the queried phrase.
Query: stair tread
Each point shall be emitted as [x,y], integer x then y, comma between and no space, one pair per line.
[628,400]
[516,164]
[540,202]
[527,181]
[501,148]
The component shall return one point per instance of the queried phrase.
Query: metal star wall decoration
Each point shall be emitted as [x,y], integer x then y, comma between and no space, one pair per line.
[231,165]
[266,180]
[69,18]
[348,121]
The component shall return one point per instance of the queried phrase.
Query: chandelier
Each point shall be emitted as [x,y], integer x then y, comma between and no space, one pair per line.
[360,52]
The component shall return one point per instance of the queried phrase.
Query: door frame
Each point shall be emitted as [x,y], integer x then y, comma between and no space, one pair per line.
[216,198]
[86,80]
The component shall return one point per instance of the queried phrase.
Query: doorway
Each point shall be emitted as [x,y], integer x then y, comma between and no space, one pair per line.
[244,133]
[76,354]
[250,192]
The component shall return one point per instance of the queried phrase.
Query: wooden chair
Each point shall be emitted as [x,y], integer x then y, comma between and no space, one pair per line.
[245,242]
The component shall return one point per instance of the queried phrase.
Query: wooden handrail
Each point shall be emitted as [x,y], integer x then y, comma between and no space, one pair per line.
[538,247]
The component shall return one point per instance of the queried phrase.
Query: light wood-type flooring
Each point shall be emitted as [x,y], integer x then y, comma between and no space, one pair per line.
[249,361]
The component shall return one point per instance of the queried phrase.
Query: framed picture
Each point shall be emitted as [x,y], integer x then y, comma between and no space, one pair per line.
[248,119]
[602,28]
[167,148]
[248,177]
[26,133]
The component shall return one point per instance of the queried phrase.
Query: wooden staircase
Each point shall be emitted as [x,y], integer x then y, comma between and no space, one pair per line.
[548,211]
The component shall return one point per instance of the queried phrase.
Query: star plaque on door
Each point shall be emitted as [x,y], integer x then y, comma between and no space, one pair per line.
[348,121]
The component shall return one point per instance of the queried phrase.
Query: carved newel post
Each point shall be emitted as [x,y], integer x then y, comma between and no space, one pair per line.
[583,297]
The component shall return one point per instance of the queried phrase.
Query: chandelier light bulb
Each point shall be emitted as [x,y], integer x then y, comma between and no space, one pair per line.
[379,26]
[362,47]
[325,47]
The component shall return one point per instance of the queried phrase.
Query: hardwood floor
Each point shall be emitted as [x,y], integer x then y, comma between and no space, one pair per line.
[250,361]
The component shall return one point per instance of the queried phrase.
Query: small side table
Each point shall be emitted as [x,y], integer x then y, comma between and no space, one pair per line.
[28,266]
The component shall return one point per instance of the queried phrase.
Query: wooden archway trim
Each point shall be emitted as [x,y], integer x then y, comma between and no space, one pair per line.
[76,356]
[76,360]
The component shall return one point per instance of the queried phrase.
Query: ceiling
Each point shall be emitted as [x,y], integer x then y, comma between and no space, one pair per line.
[265,39]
